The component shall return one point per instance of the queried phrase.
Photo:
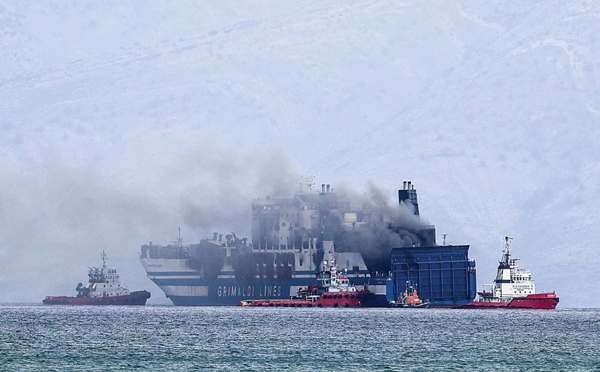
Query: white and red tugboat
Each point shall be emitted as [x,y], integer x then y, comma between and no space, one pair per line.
[104,288]
[333,290]
[513,288]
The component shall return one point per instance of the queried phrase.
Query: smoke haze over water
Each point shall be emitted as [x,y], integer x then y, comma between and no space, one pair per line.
[58,216]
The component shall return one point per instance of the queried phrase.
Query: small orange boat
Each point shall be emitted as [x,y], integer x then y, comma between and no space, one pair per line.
[409,298]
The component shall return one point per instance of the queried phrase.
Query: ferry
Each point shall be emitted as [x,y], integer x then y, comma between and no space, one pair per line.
[290,238]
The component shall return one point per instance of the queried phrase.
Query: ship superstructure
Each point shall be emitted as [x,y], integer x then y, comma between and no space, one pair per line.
[511,281]
[289,240]
[330,280]
[103,282]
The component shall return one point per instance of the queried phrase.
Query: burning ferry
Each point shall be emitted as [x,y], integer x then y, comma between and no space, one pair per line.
[289,239]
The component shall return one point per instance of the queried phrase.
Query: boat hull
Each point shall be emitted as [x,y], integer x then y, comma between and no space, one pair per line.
[329,299]
[406,306]
[540,301]
[137,298]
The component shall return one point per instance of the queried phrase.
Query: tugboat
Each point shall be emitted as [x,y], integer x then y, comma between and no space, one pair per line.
[104,288]
[513,288]
[333,290]
[409,298]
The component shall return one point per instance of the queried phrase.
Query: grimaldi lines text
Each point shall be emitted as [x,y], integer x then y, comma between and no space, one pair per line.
[249,291]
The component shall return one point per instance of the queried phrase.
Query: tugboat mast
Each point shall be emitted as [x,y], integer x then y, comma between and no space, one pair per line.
[507,240]
[104,260]
[505,262]
[179,240]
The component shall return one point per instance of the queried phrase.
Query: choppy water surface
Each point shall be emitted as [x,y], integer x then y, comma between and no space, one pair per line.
[231,338]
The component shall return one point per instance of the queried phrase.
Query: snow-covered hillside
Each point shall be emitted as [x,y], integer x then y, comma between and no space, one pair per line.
[120,122]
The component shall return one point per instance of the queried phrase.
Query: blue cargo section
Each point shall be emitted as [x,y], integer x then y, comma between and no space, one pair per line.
[442,274]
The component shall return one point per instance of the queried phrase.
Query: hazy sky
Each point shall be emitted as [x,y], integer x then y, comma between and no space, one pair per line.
[121,122]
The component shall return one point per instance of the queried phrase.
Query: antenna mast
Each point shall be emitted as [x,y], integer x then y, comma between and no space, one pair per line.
[179,240]
[507,240]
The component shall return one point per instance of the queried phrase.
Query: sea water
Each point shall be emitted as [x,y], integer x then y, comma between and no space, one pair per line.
[169,338]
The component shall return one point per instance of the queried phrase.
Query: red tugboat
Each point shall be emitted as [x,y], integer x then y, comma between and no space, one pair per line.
[513,288]
[334,290]
[104,288]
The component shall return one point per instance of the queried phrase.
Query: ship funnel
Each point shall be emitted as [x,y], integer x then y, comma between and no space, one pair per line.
[408,196]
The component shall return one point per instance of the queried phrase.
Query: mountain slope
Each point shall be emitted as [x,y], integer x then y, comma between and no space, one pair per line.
[121,122]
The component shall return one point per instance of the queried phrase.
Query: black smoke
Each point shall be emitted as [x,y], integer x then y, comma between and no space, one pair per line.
[389,224]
